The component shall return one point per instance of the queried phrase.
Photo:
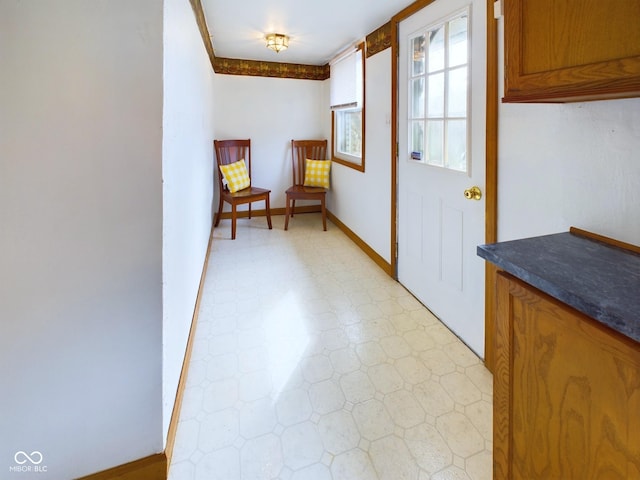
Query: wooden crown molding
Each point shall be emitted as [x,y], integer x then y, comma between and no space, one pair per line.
[196,6]
[234,66]
[379,39]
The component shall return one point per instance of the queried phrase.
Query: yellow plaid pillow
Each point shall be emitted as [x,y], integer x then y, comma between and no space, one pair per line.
[316,173]
[236,175]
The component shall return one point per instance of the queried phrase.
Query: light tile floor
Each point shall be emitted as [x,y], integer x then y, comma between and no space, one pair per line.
[309,362]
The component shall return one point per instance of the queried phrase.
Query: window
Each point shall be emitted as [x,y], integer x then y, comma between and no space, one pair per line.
[438,94]
[347,105]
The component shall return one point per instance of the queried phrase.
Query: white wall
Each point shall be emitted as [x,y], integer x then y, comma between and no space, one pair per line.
[187,170]
[80,233]
[271,112]
[362,201]
[574,164]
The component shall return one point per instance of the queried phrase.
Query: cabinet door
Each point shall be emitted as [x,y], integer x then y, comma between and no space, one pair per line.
[566,392]
[571,50]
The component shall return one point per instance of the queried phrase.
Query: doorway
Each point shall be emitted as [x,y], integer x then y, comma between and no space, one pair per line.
[441,158]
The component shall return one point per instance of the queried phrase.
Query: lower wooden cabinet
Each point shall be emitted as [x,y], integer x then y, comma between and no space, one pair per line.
[566,392]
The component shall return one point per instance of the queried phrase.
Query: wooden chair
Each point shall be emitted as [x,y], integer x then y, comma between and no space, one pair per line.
[229,151]
[300,151]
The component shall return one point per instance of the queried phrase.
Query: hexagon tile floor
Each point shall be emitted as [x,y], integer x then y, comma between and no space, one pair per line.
[310,363]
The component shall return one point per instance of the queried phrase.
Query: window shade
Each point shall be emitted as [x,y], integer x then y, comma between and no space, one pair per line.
[346,80]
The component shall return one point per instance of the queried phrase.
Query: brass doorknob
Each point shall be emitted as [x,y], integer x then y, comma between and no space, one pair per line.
[473,193]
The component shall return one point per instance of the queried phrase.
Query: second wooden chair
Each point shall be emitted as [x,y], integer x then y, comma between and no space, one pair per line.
[317,182]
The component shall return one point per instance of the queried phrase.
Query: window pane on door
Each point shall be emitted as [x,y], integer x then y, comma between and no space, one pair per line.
[417,141]
[457,92]
[457,145]
[417,98]
[418,54]
[435,142]
[436,95]
[436,49]
[458,44]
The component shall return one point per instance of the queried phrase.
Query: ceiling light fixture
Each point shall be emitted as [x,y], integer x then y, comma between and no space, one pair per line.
[277,42]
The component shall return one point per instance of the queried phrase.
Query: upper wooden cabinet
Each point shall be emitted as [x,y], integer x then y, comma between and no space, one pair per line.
[571,50]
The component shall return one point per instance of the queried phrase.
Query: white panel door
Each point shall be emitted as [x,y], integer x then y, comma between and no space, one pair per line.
[441,145]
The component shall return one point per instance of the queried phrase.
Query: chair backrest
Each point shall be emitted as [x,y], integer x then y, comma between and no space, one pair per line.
[229,151]
[303,149]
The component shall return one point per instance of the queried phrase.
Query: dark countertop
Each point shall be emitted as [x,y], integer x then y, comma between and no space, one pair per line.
[597,279]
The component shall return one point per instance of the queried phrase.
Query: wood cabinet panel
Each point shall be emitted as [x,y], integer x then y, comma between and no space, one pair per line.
[566,392]
[571,50]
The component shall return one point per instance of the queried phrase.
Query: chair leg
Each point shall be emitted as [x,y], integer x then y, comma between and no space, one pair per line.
[219,213]
[268,207]
[324,214]
[293,206]
[233,221]
[249,210]
[286,213]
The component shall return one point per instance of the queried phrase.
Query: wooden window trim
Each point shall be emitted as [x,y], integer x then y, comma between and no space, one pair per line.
[356,166]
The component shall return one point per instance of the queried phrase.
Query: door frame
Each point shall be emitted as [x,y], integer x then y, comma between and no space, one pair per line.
[491,159]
